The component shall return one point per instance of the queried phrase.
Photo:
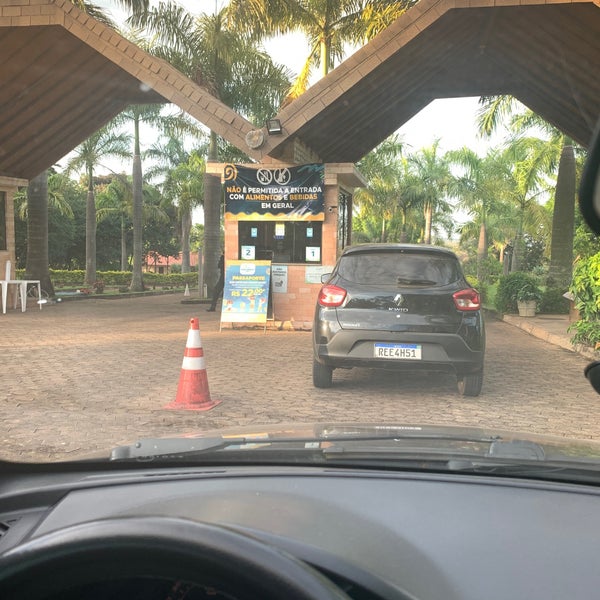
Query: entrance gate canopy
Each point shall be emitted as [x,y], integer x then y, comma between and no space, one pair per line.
[63,75]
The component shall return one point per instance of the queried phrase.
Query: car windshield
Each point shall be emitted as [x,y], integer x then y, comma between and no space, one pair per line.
[267,220]
[386,268]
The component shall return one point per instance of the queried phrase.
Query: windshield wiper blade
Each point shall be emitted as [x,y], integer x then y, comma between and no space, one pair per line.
[173,448]
[150,448]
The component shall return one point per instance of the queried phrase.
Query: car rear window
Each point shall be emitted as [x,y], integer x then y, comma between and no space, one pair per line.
[400,268]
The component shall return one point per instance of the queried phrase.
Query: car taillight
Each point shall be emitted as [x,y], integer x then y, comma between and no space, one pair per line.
[332,296]
[467,299]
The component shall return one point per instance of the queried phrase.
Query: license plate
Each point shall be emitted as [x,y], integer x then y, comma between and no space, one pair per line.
[398,351]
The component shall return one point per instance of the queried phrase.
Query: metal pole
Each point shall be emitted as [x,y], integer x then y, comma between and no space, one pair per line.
[200,274]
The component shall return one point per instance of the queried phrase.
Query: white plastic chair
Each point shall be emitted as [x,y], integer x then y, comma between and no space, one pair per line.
[21,288]
[4,284]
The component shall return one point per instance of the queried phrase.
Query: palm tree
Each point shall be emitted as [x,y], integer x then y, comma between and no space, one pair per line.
[117,199]
[563,220]
[479,188]
[497,109]
[102,144]
[185,186]
[328,26]
[56,185]
[433,180]
[378,201]
[391,196]
[37,232]
[135,115]
[530,159]
[232,68]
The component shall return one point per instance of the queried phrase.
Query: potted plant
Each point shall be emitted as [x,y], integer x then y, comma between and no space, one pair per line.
[527,299]
[98,286]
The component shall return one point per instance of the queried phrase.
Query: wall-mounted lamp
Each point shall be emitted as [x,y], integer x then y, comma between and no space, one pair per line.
[274,127]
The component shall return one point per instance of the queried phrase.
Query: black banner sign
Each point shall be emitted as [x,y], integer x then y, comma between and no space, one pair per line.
[274,194]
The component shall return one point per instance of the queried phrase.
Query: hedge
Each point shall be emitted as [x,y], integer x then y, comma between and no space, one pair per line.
[62,278]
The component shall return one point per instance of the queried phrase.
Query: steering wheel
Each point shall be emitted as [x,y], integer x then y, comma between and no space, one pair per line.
[160,548]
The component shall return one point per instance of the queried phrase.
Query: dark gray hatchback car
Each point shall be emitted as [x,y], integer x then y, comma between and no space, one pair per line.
[399,306]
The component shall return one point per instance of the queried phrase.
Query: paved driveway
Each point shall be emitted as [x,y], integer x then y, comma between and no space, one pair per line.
[84,376]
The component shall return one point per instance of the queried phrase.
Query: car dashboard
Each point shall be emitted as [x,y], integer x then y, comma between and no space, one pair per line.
[373,534]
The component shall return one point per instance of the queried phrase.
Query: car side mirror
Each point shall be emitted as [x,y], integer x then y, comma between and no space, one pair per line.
[589,204]
[592,373]
[589,189]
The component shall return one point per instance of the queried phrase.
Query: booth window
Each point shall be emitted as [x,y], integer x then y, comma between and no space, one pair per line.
[3,221]
[280,242]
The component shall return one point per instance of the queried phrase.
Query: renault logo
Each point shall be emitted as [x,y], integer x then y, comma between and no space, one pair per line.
[399,300]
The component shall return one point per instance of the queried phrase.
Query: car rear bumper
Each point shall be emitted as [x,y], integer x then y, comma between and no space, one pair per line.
[441,352]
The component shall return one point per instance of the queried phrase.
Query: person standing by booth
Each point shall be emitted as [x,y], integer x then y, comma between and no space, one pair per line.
[218,289]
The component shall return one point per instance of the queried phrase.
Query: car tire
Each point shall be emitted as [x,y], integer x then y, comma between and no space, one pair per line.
[322,375]
[470,385]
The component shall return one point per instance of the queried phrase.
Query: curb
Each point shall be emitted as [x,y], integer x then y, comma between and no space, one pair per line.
[79,297]
[558,340]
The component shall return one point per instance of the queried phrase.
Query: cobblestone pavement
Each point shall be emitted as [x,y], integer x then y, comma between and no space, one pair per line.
[79,377]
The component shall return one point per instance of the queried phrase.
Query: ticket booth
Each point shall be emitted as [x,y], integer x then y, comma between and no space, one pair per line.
[298,217]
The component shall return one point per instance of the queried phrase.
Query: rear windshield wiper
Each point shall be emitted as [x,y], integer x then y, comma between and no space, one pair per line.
[407,281]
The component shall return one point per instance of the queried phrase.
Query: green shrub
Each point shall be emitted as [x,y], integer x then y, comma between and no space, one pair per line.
[553,302]
[586,291]
[491,269]
[586,333]
[508,289]
[529,292]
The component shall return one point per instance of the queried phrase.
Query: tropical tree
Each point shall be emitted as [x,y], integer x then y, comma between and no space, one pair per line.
[528,185]
[135,115]
[384,156]
[61,192]
[105,143]
[377,203]
[480,186]
[329,26]
[432,181]
[37,232]
[232,68]
[117,200]
[563,219]
[499,110]
[57,183]
[183,184]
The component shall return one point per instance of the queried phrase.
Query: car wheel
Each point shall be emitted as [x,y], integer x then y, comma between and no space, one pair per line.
[470,385]
[322,375]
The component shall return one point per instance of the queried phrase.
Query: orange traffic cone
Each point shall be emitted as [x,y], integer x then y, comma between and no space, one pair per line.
[193,392]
